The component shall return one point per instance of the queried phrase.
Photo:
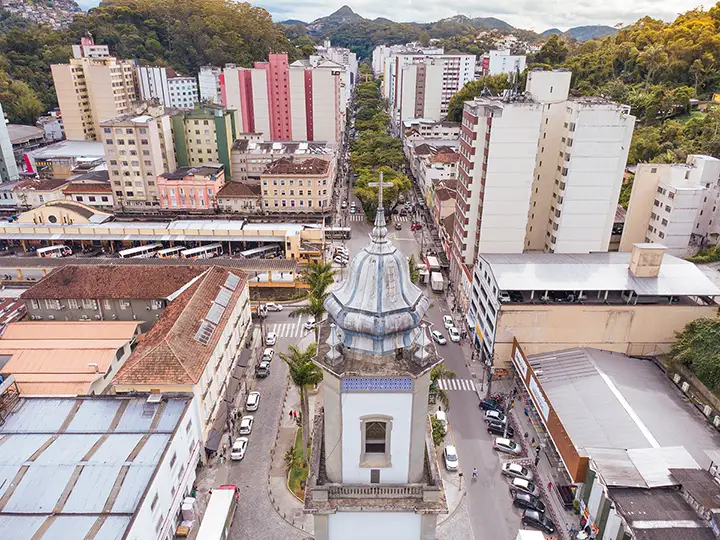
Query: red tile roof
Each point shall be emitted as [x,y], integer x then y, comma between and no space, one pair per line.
[94,187]
[445,194]
[445,157]
[169,354]
[305,166]
[239,189]
[46,184]
[112,281]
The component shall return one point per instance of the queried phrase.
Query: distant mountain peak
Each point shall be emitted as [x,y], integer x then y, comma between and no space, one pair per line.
[344,11]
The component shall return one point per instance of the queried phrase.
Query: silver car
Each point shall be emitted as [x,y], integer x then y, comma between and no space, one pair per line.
[507,446]
[451,458]
[513,470]
[524,486]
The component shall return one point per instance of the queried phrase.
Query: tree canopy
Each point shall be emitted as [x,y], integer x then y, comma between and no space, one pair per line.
[698,348]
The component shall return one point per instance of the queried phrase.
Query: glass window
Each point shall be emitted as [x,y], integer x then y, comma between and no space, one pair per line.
[375,442]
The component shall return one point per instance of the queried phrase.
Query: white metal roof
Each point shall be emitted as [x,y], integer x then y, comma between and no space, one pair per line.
[595,272]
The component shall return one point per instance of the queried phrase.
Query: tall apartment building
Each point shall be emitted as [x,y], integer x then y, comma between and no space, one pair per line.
[250,158]
[498,62]
[138,147]
[539,172]
[209,83]
[8,167]
[92,88]
[344,57]
[443,76]
[204,135]
[382,52]
[298,102]
[675,205]
[165,84]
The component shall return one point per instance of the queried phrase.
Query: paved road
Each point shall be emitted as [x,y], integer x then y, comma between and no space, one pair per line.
[256,519]
[488,503]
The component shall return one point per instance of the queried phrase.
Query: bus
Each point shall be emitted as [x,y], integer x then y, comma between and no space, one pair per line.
[219,513]
[337,233]
[54,251]
[171,253]
[264,252]
[203,252]
[141,252]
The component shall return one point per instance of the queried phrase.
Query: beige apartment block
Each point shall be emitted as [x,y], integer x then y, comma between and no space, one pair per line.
[139,148]
[91,90]
[298,186]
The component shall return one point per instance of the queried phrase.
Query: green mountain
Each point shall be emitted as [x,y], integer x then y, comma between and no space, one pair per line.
[583,33]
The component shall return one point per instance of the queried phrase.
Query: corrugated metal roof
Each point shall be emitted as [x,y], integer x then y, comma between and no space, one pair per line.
[595,272]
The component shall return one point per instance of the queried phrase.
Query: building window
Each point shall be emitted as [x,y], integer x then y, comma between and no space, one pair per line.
[154,502]
[375,432]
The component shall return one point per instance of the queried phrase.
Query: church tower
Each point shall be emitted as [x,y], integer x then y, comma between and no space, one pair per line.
[373,469]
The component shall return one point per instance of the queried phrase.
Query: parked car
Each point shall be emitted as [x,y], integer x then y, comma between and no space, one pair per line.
[344,204]
[340,250]
[270,339]
[451,458]
[530,502]
[448,321]
[398,226]
[253,401]
[416,226]
[342,261]
[507,446]
[268,355]
[263,370]
[403,212]
[538,520]
[495,416]
[246,425]
[272,306]
[516,296]
[519,484]
[498,428]
[454,334]
[514,470]
[310,323]
[439,338]
[441,417]
[490,404]
[239,448]
[504,296]
[353,210]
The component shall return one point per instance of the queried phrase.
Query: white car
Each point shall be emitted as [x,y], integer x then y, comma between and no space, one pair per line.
[524,486]
[344,204]
[438,337]
[513,470]
[272,306]
[270,339]
[246,425]
[495,416]
[239,448]
[268,355]
[310,323]
[454,334]
[342,252]
[504,297]
[253,401]
[448,322]
[451,458]
[342,261]
[509,447]
[441,417]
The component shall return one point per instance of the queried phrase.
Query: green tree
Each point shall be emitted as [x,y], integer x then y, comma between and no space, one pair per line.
[438,431]
[304,374]
[412,266]
[652,58]
[553,52]
[698,348]
[319,276]
[315,307]
[436,373]
[368,195]
[493,84]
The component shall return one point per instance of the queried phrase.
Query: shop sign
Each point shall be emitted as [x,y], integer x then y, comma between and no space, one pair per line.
[540,402]
[500,372]
[520,363]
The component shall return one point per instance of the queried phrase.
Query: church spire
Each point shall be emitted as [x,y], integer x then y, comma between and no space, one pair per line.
[379,232]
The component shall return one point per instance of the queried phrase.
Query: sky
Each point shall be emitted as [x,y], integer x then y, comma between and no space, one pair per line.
[526,14]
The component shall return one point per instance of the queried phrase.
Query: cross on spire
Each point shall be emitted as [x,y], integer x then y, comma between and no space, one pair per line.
[379,230]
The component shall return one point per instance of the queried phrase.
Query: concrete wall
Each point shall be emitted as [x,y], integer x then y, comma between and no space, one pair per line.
[261,103]
[632,330]
[640,206]
[298,106]
[72,113]
[326,105]
[375,525]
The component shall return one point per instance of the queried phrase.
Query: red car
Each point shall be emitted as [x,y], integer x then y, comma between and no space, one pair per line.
[415,226]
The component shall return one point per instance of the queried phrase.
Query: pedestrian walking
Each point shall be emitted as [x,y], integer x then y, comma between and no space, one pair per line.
[295,415]
[537,460]
[291,414]
[549,486]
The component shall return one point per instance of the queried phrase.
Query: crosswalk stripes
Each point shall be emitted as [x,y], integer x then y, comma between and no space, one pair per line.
[467,385]
[400,218]
[357,217]
[292,329]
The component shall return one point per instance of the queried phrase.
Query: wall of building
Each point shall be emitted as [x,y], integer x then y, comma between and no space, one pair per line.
[640,207]
[298,104]
[325,101]
[362,525]
[153,83]
[354,407]
[8,167]
[632,330]
[72,112]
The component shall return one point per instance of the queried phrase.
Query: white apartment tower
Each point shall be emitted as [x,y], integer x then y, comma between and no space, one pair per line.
[8,166]
[166,85]
[675,205]
[421,91]
[540,171]
[209,83]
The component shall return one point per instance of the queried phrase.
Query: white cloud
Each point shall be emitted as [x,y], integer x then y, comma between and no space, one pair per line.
[528,14]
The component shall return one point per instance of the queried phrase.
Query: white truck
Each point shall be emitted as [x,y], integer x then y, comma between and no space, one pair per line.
[437,283]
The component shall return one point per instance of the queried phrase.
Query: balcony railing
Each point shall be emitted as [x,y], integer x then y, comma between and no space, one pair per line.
[380,491]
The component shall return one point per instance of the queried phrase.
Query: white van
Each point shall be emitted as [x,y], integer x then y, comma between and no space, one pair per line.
[441,417]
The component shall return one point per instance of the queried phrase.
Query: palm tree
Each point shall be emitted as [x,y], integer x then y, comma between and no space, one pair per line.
[441,372]
[304,374]
[319,276]
[652,58]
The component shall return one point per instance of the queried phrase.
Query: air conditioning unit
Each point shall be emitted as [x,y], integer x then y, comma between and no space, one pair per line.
[134,317]
[716,421]
[676,378]
[685,387]
[154,399]
[707,410]
[98,317]
[51,317]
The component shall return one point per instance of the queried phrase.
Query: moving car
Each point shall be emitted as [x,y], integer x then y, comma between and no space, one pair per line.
[239,448]
[253,401]
[403,212]
[525,500]
[353,210]
[498,428]
[263,370]
[340,260]
[538,520]
[310,323]
[438,337]
[340,250]
[490,404]
[454,334]
[246,425]
[495,416]
[448,321]
[398,226]
[268,355]
[514,470]
[415,227]
[518,484]
[507,446]
[270,339]
[272,306]
[344,204]
[451,458]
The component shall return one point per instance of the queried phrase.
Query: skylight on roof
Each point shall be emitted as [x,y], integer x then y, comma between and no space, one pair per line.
[215,313]
[223,297]
[205,332]
[231,282]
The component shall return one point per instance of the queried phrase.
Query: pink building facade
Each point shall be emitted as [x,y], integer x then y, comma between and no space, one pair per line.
[191,188]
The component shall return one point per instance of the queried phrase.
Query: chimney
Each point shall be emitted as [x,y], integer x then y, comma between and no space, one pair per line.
[646,259]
